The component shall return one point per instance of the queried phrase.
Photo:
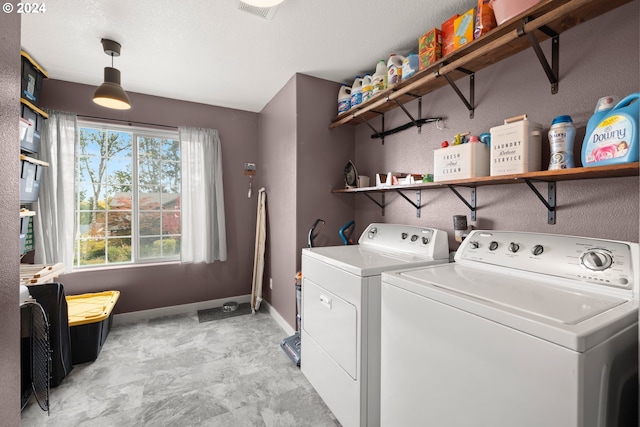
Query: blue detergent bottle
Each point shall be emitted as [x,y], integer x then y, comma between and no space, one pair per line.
[612,134]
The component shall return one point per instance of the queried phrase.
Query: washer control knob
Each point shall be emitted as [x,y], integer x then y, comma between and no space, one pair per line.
[493,245]
[596,260]
[414,237]
[425,240]
[474,244]
[514,247]
[404,236]
[537,249]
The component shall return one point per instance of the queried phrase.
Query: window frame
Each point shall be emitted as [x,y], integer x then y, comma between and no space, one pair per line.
[135,132]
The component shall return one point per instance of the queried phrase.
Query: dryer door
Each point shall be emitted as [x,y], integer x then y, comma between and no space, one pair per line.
[332,323]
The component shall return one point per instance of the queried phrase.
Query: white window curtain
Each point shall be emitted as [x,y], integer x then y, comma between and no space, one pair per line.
[53,223]
[202,208]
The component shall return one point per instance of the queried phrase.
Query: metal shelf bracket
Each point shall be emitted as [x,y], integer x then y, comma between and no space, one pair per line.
[549,202]
[471,204]
[470,103]
[416,204]
[552,71]
[380,204]
[376,134]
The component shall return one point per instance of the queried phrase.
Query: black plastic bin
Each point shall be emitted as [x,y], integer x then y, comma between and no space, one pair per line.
[33,76]
[90,320]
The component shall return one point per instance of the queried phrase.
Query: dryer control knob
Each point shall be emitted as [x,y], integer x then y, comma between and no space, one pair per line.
[372,232]
[474,244]
[414,237]
[596,260]
[404,236]
[514,247]
[425,240]
[537,249]
[493,246]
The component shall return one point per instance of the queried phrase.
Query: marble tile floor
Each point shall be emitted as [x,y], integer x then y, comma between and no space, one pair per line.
[175,371]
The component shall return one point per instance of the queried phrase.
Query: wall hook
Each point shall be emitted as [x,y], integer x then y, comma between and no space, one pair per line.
[250,171]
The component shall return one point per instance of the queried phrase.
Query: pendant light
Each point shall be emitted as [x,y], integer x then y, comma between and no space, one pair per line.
[263,3]
[110,94]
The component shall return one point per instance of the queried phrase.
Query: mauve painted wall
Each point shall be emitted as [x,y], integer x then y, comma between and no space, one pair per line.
[303,161]
[276,167]
[322,156]
[145,287]
[597,58]
[9,194]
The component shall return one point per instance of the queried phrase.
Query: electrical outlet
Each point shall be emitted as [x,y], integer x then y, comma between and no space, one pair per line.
[270,283]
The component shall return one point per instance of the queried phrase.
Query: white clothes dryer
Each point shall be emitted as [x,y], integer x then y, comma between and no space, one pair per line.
[341,313]
[523,329]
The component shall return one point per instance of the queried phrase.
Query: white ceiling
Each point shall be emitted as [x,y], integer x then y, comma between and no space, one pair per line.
[211,52]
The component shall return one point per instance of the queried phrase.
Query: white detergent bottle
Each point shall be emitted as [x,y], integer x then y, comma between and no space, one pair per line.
[394,69]
[356,92]
[379,79]
[344,99]
[367,88]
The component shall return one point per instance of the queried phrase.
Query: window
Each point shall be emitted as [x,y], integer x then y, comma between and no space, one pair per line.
[127,196]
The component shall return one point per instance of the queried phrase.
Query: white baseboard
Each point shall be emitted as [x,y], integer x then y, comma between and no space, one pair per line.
[134,316]
[153,313]
[279,319]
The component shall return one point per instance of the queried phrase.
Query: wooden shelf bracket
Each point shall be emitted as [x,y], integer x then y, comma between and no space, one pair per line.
[549,201]
[471,204]
[552,71]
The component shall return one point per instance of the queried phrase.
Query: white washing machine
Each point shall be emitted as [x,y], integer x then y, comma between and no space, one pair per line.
[523,329]
[340,353]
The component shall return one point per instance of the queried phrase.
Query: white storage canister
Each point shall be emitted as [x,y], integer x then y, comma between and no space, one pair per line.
[516,146]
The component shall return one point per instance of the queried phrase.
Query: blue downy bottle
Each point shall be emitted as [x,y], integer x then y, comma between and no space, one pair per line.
[612,134]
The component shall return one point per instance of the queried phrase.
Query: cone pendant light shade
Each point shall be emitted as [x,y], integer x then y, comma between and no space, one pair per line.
[110,94]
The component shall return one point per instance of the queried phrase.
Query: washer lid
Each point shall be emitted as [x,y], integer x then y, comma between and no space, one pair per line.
[363,261]
[567,316]
[557,304]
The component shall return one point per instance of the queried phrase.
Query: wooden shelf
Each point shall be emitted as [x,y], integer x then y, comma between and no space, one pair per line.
[555,16]
[574,174]
[549,177]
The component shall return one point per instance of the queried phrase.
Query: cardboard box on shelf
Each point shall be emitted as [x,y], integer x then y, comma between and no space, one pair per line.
[430,47]
[463,28]
[447,32]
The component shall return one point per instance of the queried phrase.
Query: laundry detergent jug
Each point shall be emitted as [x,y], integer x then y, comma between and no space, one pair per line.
[379,78]
[612,134]
[356,92]
[344,99]
[367,88]
[394,69]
